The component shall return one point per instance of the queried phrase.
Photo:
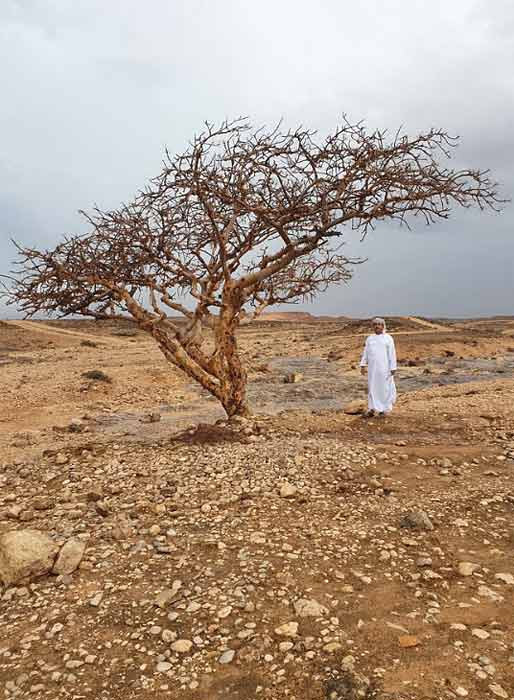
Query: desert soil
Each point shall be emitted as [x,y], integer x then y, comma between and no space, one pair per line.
[303,554]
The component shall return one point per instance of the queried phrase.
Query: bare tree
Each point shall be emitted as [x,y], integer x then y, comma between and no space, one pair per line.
[243,220]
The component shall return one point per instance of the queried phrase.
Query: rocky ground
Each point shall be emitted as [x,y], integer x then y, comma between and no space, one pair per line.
[304,554]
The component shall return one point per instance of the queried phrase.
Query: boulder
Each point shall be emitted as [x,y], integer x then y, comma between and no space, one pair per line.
[70,556]
[25,555]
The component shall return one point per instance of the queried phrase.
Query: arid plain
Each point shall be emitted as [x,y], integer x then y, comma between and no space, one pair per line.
[304,554]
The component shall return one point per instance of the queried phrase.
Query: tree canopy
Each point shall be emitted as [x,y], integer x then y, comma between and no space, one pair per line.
[244,219]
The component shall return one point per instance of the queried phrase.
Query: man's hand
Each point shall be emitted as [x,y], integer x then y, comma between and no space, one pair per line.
[363,371]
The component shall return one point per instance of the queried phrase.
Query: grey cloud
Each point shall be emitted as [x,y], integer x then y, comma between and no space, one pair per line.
[92,92]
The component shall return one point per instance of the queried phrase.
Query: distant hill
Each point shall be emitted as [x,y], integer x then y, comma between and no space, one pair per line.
[297,316]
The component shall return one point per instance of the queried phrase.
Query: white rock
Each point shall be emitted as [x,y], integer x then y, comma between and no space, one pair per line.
[163,667]
[505,578]
[227,657]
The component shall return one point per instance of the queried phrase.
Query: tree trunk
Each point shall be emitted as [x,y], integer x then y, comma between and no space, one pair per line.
[232,373]
[236,405]
[223,374]
[235,400]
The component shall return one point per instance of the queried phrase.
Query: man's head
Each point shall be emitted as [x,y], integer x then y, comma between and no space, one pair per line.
[379,325]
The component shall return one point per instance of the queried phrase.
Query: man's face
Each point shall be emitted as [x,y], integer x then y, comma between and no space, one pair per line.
[378,328]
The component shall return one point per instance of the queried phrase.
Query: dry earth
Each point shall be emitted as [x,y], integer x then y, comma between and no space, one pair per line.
[306,554]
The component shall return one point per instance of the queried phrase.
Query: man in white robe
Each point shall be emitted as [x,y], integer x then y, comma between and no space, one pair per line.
[379,357]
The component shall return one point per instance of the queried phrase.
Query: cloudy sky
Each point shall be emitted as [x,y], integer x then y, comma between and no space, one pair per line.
[93,91]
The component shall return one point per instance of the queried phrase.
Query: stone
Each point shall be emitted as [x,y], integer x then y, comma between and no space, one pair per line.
[288,629]
[355,408]
[13,513]
[25,555]
[498,691]
[288,490]
[348,662]
[480,633]
[102,508]
[43,503]
[467,568]
[309,608]
[122,529]
[407,641]
[460,522]
[423,561]
[505,578]
[95,601]
[55,629]
[182,646]
[163,598]
[163,667]
[227,657]
[416,520]
[70,556]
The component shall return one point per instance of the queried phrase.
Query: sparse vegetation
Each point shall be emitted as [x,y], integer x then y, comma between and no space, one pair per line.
[97,375]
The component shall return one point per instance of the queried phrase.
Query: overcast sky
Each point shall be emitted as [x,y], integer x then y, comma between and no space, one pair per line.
[93,91]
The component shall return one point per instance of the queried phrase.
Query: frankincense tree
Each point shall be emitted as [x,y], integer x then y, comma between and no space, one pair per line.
[243,220]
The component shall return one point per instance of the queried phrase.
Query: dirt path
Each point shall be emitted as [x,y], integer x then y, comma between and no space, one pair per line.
[428,324]
[43,328]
